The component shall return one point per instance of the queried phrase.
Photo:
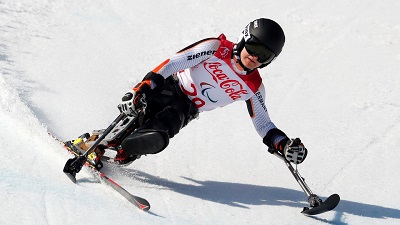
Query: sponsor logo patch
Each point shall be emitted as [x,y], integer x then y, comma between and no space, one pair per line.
[231,87]
[200,54]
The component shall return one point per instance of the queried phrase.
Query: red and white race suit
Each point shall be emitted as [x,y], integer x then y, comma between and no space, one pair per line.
[209,76]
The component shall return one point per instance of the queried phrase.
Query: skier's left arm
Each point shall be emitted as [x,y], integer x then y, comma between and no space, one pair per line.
[273,137]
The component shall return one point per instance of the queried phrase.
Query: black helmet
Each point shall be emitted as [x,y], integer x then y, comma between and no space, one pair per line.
[266,31]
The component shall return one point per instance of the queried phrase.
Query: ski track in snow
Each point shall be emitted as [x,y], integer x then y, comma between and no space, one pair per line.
[64,66]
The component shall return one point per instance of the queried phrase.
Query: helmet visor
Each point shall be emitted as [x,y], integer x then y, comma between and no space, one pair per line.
[255,48]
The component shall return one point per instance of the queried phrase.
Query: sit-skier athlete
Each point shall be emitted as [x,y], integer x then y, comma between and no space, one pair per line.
[208,74]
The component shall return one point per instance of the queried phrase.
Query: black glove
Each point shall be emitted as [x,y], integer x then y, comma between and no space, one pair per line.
[294,151]
[127,105]
[132,98]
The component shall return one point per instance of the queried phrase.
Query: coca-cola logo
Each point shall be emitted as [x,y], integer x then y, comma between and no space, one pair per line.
[232,87]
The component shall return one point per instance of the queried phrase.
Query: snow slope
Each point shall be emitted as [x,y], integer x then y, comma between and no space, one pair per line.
[65,65]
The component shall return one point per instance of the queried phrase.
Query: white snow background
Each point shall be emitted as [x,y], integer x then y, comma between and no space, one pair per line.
[66,64]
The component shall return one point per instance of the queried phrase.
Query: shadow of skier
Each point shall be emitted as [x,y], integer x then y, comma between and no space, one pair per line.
[245,195]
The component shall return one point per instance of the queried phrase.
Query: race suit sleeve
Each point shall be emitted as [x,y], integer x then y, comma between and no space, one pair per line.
[188,57]
[272,136]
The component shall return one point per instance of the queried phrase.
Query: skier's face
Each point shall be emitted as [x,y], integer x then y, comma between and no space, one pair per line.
[249,61]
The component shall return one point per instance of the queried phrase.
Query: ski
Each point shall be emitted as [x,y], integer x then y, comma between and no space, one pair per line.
[330,203]
[139,202]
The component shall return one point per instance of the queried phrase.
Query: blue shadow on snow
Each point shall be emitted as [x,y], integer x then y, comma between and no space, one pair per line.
[243,195]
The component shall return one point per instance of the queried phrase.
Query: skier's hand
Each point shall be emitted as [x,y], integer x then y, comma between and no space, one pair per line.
[295,151]
[127,105]
[132,99]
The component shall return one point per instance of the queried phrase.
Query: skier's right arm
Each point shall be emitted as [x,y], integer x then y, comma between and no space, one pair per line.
[188,57]
[185,58]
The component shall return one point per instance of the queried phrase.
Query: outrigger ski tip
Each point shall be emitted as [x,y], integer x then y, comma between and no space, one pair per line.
[73,166]
[71,177]
[70,173]
[330,203]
